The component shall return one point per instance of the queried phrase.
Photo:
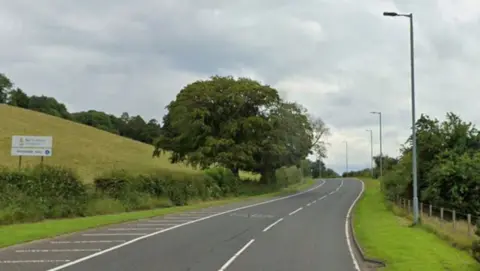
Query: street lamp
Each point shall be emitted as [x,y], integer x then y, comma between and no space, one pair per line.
[381,139]
[346,156]
[371,151]
[414,132]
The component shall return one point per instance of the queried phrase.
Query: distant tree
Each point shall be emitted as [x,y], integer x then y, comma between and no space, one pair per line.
[320,131]
[18,98]
[49,106]
[5,87]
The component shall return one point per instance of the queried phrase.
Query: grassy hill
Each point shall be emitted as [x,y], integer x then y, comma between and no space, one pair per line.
[88,150]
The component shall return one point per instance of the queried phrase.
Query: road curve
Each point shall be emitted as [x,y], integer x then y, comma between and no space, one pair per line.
[304,232]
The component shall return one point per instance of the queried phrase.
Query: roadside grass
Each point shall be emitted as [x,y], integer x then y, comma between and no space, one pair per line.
[87,150]
[21,233]
[385,236]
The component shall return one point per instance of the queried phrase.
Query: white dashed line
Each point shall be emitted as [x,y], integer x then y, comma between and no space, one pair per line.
[34,261]
[88,242]
[333,192]
[156,223]
[230,261]
[114,234]
[273,224]
[322,197]
[63,266]
[135,229]
[57,250]
[347,229]
[308,204]
[294,212]
[314,201]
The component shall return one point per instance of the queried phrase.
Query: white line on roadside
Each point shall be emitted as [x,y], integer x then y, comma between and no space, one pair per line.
[88,242]
[322,197]
[294,212]
[314,201]
[34,261]
[173,219]
[273,224]
[230,261]
[333,192]
[347,229]
[135,229]
[178,226]
[114,234]
[57,250]
[308,204]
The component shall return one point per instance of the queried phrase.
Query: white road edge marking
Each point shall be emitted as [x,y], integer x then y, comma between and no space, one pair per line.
[177,226]
[322,197]
[308,204]
[135,229]
[273,224]
[347,229]
[294,212]
[34,261]
[115,234]
[333,192]
[230,261]
[314,201]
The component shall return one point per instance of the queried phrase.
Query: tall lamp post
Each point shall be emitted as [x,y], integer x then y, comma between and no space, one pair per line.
[371,151]
[381,139]
[414,132]
[346,156]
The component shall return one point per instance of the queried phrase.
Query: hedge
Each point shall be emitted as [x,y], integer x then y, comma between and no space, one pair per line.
[49,192]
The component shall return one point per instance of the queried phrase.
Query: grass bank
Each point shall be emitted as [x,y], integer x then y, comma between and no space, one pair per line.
[388,237]
[21,233]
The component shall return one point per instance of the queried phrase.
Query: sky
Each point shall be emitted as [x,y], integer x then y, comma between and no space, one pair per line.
[340,58]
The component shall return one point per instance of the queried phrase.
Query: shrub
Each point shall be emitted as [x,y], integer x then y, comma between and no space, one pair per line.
[476,243]
[225,180]
[53,191]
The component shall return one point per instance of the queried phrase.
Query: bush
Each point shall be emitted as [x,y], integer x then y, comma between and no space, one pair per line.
[476,244]
[47,191]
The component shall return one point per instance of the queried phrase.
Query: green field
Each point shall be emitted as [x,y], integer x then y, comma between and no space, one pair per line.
[390,238]
[87,150]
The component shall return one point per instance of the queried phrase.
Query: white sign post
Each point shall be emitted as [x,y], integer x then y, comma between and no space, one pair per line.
[31,146]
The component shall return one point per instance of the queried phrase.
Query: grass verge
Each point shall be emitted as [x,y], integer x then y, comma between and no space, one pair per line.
[388,237]
[21,233]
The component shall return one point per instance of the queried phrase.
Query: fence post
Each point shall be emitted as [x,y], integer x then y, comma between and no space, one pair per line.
[469,221]
[454,216]
[430,210]
[441,216]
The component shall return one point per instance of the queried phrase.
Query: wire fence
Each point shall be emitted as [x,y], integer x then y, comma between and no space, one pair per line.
[459,226]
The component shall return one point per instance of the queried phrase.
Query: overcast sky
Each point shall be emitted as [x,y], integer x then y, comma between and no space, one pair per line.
[339,58]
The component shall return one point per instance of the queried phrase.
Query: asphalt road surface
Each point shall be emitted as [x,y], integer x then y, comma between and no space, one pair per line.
[305,231]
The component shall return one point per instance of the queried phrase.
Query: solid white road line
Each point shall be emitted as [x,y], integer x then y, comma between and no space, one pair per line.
[160,222]
[347,229]
[178,226]
[273,224]
[230,261]
[34,261]
[88,242]
[56,250]
[114,234]
[154,224]
[294,212]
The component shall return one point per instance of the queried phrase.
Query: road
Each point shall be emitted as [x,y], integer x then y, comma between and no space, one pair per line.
[306,231]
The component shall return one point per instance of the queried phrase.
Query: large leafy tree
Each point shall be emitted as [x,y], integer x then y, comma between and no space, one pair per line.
[234,123]
[5,87]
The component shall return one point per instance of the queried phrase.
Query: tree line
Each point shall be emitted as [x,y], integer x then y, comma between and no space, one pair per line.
[133,127]
[388,164]
[448,154]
